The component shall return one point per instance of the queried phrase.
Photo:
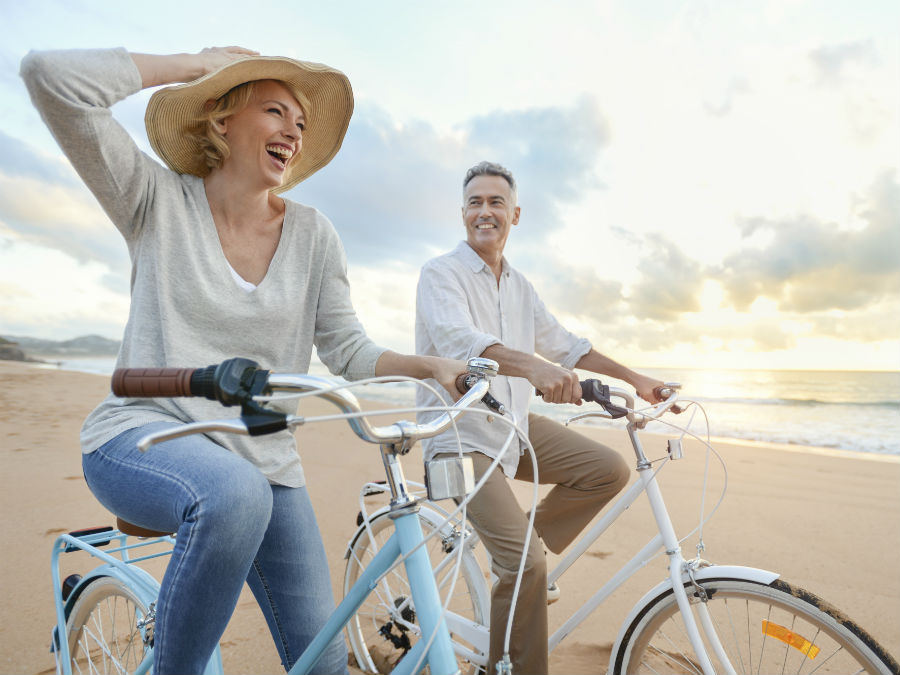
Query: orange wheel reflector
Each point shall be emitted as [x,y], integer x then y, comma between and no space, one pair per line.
[795,640]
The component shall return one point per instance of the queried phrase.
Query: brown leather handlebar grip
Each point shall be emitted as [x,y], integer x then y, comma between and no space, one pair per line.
[152,382]
[461,385]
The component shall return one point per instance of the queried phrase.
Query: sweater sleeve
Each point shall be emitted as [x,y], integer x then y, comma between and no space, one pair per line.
[340,339]
[73,90]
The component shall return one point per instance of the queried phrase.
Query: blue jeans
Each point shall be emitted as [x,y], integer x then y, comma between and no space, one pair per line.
[231,525]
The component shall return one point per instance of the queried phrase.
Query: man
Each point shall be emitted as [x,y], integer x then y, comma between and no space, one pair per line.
[471,302]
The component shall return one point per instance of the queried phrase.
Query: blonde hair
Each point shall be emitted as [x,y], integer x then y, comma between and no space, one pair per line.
[211,141]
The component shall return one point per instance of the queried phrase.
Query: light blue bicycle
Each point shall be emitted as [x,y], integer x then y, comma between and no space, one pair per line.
[105,619]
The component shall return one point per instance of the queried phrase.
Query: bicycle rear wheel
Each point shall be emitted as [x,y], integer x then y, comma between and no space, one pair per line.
[102,629]
[775,628]
[385,627]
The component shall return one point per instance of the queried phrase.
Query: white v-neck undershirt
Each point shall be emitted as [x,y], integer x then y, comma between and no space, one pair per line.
[239,280]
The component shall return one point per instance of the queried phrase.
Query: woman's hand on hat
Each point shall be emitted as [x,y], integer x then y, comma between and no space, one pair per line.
[159,69]
[213,58]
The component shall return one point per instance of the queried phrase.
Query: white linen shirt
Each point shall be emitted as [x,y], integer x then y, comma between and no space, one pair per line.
[461,310]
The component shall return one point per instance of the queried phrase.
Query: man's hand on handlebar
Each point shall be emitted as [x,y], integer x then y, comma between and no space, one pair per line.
[445,371]
[556,384]
[653,391]
[648,388]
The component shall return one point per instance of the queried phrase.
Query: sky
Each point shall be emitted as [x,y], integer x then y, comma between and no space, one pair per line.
[702,184]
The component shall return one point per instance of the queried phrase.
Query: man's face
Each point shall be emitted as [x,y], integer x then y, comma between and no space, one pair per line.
[489,212]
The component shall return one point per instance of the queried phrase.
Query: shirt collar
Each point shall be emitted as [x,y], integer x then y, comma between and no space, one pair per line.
[473,261]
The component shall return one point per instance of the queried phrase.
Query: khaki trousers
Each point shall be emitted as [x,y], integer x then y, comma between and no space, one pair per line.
[586,475]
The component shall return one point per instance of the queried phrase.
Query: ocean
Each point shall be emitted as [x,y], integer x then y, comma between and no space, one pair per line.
[841,410]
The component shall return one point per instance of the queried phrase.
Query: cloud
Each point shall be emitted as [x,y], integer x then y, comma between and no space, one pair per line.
[736,87]
[551,151]
[20,159]
[394,191]
[62,218]
[580,293]
[669,285]
[810,266]
[833,63]
[877,323]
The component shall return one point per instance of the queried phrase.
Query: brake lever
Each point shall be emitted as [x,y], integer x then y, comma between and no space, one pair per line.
[597,392]
[465,381]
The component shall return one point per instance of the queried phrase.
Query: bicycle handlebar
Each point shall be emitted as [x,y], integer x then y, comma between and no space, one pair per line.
[238,381]
[596,392]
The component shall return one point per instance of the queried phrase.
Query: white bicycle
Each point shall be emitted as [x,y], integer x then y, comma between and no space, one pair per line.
[702,618]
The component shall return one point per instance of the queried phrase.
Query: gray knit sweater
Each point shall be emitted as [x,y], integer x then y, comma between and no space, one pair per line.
[186,309]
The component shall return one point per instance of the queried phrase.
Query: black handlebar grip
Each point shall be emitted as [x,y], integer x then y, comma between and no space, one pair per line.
[591,392]
[152,382]
[203,382]
[588,393]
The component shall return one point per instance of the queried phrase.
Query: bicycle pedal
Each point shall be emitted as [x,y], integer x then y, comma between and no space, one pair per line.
[553,593]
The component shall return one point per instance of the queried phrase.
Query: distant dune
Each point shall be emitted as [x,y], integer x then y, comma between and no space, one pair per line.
[21,348]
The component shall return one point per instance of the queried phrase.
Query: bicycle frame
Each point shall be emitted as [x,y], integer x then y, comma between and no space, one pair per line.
[680,573]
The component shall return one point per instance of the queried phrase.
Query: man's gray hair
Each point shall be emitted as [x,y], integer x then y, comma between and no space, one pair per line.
[490,169]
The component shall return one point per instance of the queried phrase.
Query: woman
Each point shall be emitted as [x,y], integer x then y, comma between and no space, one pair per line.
[221,266]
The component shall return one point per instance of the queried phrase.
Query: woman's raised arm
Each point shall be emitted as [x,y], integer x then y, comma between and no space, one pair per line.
[159,69]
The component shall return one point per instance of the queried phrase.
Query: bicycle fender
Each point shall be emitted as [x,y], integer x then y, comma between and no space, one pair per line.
[361,529]
[704,573]
[146,589]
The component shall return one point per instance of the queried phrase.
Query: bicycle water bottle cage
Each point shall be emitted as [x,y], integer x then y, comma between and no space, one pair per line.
[596,391]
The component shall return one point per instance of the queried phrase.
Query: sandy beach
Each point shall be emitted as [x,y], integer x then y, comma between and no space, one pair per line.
[827,521]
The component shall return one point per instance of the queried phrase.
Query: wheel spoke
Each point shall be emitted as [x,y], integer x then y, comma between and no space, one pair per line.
[737,643]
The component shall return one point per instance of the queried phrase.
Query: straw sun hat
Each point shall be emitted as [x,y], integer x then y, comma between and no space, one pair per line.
[325,96]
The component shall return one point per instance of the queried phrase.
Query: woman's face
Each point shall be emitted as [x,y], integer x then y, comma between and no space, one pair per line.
[266,135]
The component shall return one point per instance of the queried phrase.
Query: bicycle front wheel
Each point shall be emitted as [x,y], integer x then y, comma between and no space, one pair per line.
[775,628]
[103,631]
[385,627]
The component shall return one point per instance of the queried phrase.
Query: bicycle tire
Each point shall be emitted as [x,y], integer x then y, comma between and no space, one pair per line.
[383,629]
[102,629]
[774,628]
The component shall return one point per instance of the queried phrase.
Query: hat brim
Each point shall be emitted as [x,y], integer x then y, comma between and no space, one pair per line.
[172,113]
